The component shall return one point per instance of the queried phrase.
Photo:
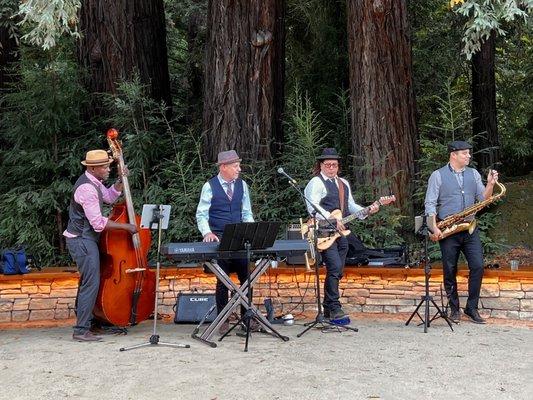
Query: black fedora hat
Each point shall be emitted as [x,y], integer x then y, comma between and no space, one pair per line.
[329,154]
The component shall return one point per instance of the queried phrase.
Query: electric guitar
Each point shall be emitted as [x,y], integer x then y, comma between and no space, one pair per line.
[326,242]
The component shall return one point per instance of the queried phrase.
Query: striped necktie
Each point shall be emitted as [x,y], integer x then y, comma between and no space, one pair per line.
[229,192]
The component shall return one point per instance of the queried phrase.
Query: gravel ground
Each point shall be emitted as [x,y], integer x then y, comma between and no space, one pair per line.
[384,360]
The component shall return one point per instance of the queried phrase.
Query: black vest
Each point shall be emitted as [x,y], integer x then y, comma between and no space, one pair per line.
[78,223]
[332,199]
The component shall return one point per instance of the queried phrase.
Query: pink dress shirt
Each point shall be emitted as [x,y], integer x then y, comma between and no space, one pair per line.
[87,196]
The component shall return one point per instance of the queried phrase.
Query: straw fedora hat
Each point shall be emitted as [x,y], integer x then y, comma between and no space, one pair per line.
[96,158]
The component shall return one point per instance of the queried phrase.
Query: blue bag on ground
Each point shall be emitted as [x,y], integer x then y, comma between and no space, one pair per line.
[14,262]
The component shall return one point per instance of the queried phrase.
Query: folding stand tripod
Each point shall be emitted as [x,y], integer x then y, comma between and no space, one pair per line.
[426,299]
[154,217]
[319,319]
[250,235]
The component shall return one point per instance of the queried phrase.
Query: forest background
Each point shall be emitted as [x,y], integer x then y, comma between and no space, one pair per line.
[387,83]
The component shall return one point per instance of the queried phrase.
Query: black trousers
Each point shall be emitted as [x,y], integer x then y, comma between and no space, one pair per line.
[228,266]
[470,246]
[334,258]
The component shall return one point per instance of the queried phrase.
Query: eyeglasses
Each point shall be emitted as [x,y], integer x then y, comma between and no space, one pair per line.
[330,165]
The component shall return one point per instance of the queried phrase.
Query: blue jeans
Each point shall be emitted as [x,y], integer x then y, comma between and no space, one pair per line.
[334,258]
[471,247]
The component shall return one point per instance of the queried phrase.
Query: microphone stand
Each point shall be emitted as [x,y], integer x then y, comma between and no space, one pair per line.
[319,318]
[427,298]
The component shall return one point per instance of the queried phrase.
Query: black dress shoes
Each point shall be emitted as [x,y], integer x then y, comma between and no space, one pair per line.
[455,316]
[474,316]
[86,337]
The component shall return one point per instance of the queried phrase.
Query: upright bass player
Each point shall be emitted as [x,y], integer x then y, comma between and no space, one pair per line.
[86,222]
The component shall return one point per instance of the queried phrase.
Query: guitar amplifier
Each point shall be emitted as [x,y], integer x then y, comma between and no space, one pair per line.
[192,307]
[294,233]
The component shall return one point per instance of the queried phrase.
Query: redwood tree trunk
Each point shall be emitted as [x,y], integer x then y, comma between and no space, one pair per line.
[243,91]
[121,37]
[384,133]
[484,113]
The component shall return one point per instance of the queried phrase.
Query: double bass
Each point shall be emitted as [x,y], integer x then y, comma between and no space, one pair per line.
[127,287]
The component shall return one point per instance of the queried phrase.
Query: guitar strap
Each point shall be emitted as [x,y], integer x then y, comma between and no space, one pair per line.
[341,195]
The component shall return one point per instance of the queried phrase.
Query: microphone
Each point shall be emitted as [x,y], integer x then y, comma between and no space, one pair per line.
[282,172]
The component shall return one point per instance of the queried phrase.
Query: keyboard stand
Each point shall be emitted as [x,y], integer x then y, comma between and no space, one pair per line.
[240,297]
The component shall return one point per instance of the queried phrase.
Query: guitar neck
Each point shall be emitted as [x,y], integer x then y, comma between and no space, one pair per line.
[361,213]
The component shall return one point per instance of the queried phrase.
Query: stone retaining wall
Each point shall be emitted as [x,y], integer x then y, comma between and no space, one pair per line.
[45,297]
[50,295]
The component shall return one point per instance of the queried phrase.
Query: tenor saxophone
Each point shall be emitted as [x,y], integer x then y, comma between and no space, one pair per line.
[457,222]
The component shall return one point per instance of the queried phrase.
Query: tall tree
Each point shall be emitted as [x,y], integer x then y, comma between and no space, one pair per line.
[484,22]
[484,113]
[120,38]
[384,132]
[243,90]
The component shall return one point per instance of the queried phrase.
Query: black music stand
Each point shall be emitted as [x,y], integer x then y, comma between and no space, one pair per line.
[250,236]
[424,230]
[155,217]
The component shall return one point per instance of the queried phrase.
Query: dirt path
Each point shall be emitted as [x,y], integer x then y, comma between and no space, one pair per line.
[384,360]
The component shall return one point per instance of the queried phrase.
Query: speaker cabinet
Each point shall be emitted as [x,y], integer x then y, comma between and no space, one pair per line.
[294,233]
[192,307]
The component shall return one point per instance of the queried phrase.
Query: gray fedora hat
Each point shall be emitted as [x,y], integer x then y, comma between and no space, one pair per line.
[227,157]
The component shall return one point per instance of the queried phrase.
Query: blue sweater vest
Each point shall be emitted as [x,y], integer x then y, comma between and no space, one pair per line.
[223,211]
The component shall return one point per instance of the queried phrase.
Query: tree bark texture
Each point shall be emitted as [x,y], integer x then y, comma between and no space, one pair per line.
[384,132]
[244,70]
[123,37]
[484,113]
